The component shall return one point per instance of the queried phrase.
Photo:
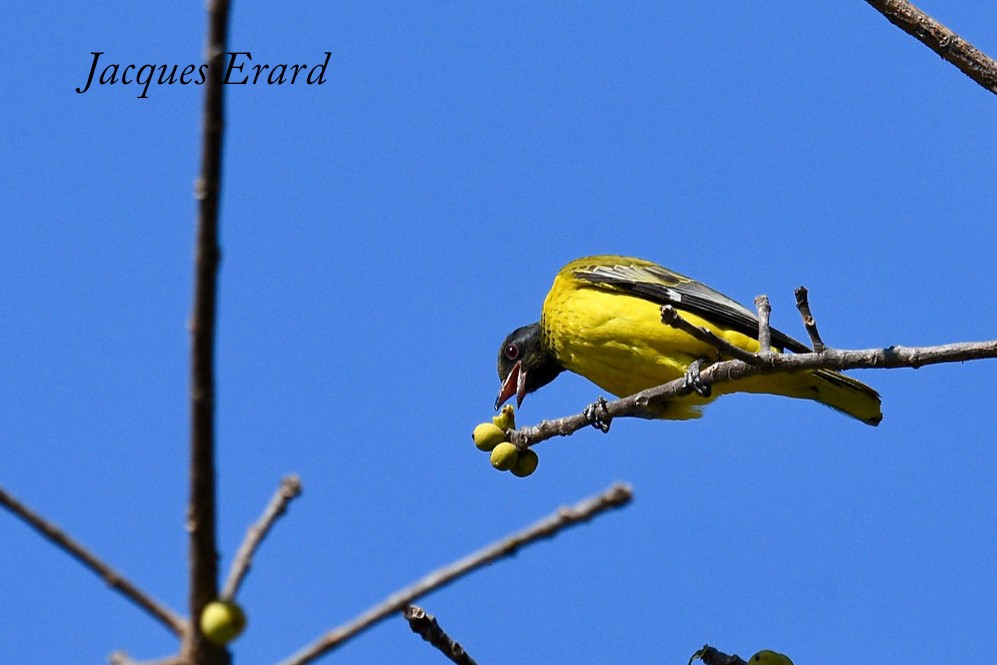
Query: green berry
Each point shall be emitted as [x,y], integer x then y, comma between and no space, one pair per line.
[504,456]
[526,464]
[222,621]
[486,436]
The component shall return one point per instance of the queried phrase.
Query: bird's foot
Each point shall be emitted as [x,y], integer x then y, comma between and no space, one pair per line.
[598,415]
[694,380]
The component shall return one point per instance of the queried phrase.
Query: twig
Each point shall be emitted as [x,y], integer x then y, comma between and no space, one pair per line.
[764,330]
[803,305]
[711,656]
[113,578]
[203,551]
[290,487]
[122,658]
[951,47]
[425,625]
[732,370]
[671,317]
[614,497]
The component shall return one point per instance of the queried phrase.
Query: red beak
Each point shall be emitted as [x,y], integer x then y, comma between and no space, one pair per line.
[514,384]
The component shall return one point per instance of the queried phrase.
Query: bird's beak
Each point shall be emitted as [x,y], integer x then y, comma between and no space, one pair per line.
[514,384]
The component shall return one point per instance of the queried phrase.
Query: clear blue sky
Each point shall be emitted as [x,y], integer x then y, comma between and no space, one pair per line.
[384,231]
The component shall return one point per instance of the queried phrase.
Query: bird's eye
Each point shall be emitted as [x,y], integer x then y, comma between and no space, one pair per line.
[511,351]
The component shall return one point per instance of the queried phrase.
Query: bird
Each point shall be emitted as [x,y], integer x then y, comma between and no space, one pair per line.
[766,657]
[602,319]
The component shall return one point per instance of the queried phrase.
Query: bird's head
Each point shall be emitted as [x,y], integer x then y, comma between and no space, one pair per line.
[524,365]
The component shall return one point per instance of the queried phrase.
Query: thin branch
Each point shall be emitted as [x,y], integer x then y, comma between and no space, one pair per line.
[803,305]
[733,370]
[113,578]
[614,497]
[764,330]
[425,624]
[671,317]
[122,658]
[290,488]
[203,551]
[951,47]
[711,656]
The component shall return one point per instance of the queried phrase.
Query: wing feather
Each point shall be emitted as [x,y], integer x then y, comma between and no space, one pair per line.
[661,286]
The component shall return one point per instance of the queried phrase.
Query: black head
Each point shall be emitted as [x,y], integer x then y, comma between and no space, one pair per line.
[524,365]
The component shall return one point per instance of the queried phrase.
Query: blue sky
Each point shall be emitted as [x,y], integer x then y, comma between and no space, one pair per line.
[383,232]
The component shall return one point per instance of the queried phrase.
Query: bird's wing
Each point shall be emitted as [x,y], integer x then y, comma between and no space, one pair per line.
[664,287]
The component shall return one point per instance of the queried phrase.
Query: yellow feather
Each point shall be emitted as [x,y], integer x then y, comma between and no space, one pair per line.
[618,342]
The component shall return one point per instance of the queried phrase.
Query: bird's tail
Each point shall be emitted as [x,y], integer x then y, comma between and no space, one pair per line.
[847,395]
[841,393]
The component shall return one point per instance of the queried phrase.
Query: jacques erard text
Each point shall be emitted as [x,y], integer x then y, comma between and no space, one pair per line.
[239,70]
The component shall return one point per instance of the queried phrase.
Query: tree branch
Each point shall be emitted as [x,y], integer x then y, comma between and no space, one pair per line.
[951,47]
[803,305]
[764,330]
[671,317]
[122,658]
[290,488]
[426,625]
[732,370]
[614,497]
[113,578]
[203,552]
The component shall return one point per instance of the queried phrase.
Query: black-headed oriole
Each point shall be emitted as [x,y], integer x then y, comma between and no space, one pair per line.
[602,319]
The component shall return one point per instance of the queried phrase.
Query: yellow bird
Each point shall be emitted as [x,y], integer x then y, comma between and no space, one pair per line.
[602,319]
[766,657]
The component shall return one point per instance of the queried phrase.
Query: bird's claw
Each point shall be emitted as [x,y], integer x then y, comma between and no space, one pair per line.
[694,380]
[598,415]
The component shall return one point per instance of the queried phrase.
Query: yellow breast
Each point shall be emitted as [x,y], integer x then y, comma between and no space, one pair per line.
[617,341]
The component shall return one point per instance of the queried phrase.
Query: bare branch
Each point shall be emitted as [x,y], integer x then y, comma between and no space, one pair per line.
[425,625]
[803,305]
[951,47]
[732,370]
[290,488]
[113,578]
[203,551]
[614,497]
[764,330]
[671,317]
[122,658]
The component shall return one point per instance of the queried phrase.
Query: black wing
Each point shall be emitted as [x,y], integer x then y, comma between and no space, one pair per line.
[664,287]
